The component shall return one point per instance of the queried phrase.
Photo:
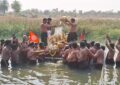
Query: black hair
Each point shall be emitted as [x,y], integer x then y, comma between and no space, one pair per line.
[44,19]
[14,46]
[85,41]
[72,19]
[112,45]
[103,47]
[82,44]
[92,43]
[74,45]
[88,45]
[97,45]
[7,42]
[49,19]
[70,45]
[31,44]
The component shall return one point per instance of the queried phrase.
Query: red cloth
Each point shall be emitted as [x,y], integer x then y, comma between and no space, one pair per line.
[82,37]
[33,37]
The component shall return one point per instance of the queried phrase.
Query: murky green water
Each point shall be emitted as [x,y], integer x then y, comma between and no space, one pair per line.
[59,74]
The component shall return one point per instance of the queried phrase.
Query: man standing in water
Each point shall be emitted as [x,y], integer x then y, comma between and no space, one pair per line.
[99,57]
[85,56]
[111,52]
[49,28]
[72,35]
[6,54]
[44,31]
[73,56]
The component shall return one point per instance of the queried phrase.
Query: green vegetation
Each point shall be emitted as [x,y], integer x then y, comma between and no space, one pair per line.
[16,6]
[96,28]
[17,25]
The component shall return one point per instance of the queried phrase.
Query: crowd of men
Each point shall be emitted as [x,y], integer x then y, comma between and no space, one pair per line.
[82,55]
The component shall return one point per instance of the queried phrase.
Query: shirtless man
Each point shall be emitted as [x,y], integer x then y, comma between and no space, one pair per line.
[14,39]
[111,52]
[92,43]
[23,53]
[85,56]
[99,56]
[44,31]
[6,54]
[93,50]
[30,55]
[49,28]
[118,55]
[15,56]
[72,36]
[25,38]
[72,58]
[66,52]
[92,47]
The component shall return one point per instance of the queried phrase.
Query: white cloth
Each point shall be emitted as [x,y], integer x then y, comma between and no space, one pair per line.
[49,33]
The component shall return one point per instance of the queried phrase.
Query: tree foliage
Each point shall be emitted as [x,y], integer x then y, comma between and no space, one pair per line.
[16,6]
[3,6]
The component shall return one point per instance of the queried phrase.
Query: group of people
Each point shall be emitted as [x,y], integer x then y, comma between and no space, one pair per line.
[82,55]
[19,53]
[22,53]
[90,54]
[46,28]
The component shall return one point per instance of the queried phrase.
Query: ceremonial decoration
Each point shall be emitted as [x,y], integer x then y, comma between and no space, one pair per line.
[33,37]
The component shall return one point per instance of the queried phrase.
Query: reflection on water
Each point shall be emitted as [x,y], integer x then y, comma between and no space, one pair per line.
[58,74]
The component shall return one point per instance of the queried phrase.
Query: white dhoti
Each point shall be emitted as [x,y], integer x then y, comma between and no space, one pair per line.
[49,33]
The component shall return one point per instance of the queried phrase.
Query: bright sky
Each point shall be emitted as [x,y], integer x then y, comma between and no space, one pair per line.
[85,5]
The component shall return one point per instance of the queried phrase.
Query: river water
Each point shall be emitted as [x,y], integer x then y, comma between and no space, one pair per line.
[59,74]
[49,73]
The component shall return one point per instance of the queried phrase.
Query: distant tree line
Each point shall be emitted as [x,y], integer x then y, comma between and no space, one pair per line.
[74,13]
[4,6]
[16,6]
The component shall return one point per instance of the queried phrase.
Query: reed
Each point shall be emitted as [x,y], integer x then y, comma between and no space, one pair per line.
[96,28]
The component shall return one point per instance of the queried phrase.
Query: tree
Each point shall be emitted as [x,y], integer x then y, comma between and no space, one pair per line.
[3,6]
[16,6]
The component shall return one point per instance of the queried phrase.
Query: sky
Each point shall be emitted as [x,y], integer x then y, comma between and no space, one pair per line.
[68,5]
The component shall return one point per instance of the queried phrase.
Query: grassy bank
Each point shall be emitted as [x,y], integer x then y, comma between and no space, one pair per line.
[97,28]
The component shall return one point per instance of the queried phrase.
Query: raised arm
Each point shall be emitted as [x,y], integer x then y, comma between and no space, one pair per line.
[108,45]
[50,26]
[108,38]
[108,42]
[118,43]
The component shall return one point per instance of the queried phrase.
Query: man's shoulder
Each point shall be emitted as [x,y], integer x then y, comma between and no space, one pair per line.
[42,24]
[86,49]
[100,51]
[4,48]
